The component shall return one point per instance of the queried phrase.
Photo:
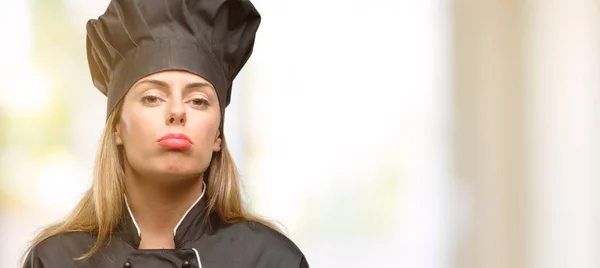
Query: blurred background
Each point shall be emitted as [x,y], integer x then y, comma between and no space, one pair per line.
[412,133]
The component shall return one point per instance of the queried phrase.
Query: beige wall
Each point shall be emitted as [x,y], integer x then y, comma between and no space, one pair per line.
[526,129]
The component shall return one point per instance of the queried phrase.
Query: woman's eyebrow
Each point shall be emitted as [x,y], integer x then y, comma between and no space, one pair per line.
[164,84]
[200,85]
[188,87]
[197,85]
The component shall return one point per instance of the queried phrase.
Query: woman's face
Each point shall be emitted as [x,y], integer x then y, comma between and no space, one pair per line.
[169,125]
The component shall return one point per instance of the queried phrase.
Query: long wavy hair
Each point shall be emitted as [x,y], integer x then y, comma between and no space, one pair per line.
[99,211]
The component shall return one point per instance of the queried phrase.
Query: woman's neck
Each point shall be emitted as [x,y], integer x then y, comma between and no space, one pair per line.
[157,208]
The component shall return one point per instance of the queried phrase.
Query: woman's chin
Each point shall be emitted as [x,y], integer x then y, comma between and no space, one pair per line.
[172,173]
[179,172]
[168,169]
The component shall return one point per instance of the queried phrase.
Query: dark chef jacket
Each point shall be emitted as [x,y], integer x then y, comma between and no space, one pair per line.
[200,242]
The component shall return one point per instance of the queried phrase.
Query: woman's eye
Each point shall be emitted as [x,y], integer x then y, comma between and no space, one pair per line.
[150,100]
[199,102]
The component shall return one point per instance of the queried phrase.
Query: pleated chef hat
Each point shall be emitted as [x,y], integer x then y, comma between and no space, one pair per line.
[135,38]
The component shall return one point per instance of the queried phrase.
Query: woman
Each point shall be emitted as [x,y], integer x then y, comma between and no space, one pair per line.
[165,190]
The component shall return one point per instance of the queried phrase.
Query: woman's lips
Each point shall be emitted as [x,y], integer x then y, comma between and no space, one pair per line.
[175,141]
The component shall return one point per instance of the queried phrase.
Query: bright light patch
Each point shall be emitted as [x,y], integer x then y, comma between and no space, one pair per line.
[60,183]
[27,93]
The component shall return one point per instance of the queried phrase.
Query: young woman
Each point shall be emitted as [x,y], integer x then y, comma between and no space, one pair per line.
[165,191]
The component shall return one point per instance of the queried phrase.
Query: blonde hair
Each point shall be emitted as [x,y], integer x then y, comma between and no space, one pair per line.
[100,209]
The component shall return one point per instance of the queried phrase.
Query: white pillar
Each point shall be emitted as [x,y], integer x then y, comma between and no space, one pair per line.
[564,69]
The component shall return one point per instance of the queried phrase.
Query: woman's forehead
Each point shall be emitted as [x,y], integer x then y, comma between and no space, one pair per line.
[175,78]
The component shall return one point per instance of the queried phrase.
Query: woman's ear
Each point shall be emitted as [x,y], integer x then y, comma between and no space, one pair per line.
[218,141]
[118,138]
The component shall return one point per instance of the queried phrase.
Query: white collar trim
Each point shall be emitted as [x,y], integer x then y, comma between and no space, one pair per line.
[137,227]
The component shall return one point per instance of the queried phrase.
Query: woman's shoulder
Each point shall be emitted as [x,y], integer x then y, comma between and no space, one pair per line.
[271,236]
[71,241]
[262,237]
[58,250]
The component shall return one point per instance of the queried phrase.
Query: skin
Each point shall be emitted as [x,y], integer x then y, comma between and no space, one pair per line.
[163,183]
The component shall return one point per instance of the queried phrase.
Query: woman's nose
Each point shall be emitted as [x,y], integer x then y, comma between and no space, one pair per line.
[176,114]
